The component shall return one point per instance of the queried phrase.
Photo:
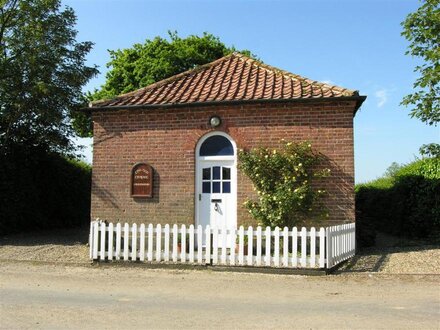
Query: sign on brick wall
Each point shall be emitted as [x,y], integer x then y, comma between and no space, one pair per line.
[142,180]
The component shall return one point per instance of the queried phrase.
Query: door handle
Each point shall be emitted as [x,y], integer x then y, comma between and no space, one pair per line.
[216,200]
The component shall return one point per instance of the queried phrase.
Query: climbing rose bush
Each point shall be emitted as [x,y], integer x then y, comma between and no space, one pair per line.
[283,180]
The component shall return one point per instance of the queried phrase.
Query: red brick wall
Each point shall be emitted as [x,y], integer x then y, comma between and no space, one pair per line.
[166,139]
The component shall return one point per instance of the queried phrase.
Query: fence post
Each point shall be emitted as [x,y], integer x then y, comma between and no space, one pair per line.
[214,245]
[294,247]
[158,242]
[134,242]
[183,249]
[303,260]
[191,243]
[329,247]
[313,247]
[175,236]
[233,235]
[110,241]
[286,247]
[95,239]
[354,238]
[199,244]
[91,240]
[166,252]
[259,246]
[142,243]
[208,259]
[118,241]
[150,242]
[102,237]
[321,248]
[126,238]
[224,238]
[250,250]
[241,245]
[268,258]
[276,249]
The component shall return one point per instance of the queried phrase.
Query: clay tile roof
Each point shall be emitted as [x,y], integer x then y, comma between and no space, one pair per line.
[235,77]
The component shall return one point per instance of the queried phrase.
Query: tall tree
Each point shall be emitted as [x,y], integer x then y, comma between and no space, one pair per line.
[42,70]
[422,30]
[152,61]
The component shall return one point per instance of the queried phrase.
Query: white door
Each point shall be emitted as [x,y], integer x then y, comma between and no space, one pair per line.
[217,189]
[216,197]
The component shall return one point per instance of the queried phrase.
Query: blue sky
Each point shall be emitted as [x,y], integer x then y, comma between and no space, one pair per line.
[355,44]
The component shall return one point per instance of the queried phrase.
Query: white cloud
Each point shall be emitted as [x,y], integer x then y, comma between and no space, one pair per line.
[381,96]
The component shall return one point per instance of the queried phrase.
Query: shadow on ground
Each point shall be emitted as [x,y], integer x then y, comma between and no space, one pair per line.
[68,236]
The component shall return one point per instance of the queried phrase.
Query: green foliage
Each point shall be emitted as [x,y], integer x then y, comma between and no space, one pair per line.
[42,72]
[430,150]
[41,190]
[382,183]
[406,204]
[82,124]
[155,60]
[283,180]
[422,30]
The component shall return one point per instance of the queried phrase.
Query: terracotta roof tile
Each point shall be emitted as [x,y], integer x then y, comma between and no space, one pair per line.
[232,78]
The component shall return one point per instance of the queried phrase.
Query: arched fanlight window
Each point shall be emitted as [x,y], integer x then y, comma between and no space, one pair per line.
[217,145]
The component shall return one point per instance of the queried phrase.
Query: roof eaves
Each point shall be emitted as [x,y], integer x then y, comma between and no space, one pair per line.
[359,100]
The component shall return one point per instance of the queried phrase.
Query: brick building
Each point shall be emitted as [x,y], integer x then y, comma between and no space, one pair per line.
[188,129]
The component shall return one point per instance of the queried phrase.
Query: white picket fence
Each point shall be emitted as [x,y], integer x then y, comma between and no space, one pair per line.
[323,248]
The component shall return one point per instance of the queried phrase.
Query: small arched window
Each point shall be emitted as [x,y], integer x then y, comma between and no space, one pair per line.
[217,145]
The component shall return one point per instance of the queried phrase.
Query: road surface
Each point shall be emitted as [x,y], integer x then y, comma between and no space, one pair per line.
[40,296]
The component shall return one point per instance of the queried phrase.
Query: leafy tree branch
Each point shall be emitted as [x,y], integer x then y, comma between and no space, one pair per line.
[422,30]
[43,71]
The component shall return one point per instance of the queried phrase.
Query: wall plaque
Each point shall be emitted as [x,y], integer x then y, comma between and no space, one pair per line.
[142,180]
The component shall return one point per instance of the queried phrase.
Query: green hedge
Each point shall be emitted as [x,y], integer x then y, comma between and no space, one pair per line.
[42,191]
[406,204]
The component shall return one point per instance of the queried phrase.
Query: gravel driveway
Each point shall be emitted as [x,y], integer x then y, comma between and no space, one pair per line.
[70,246]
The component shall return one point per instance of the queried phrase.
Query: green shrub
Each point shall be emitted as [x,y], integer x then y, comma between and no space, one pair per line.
[283,181]
[406,204]
[42,191]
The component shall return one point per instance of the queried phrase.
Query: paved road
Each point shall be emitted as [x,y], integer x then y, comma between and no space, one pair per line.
[74,297]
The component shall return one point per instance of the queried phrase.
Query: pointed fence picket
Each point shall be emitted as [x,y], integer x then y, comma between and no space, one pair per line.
[268,256]
[126,238]
[281,247]
[134,242]
[259,247]
[199,244]
[118,241]
[142,242]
